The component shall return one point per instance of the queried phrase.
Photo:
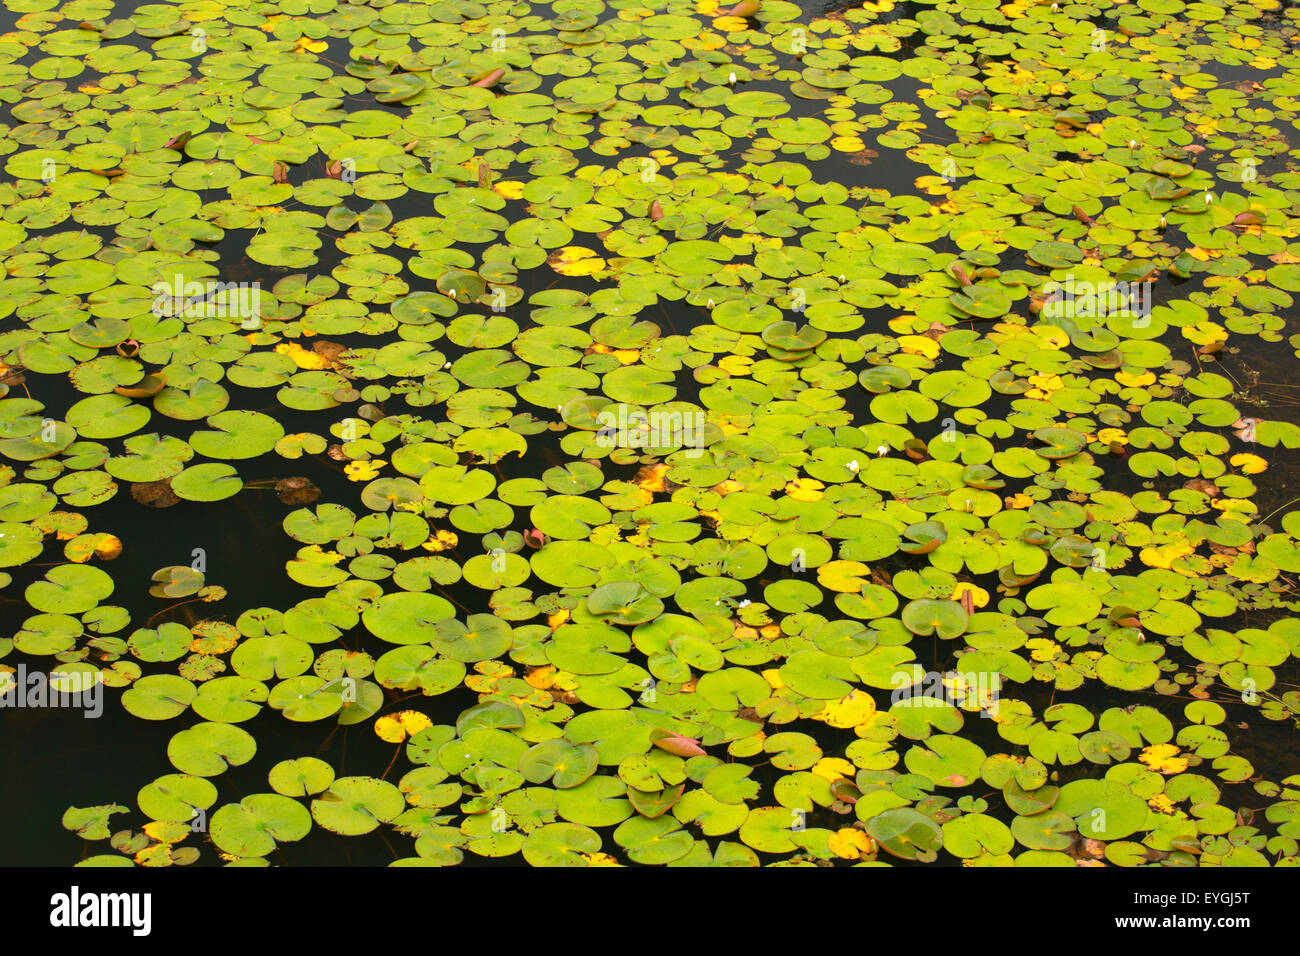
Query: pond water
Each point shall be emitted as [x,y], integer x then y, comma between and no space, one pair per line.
[831,234]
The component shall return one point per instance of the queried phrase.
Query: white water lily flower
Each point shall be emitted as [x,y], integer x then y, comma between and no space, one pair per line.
[852,466]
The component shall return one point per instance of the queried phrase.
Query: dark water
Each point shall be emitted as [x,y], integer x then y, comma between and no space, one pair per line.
[52,759]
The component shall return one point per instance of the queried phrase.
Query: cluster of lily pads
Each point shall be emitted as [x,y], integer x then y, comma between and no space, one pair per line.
[481,230]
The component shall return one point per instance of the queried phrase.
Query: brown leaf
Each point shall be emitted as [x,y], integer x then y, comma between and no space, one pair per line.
[147,387]
[154,494]
[1093,848]
[331,350]
[296,491]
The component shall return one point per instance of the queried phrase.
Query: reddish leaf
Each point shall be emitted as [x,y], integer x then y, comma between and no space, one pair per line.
[679,745]
[491,80]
